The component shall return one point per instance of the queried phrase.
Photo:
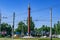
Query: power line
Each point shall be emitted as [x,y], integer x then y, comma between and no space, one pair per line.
[39,10]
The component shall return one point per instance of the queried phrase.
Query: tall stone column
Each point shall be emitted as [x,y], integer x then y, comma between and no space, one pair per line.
[28,20]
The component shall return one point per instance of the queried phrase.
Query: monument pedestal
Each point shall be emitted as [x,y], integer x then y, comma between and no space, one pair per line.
[27,37]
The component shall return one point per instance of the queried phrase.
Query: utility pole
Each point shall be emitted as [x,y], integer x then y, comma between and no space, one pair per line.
[0,22]
[13,26]
[42,32]
[22,30]
[50,23]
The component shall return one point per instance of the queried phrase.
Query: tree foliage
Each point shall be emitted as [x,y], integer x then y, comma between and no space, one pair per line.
[21,27]
[6,27]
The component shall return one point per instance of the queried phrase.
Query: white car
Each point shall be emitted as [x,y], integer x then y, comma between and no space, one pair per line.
[43,36]
[58,36]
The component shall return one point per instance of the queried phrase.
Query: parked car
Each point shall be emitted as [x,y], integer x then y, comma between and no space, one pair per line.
[58,36]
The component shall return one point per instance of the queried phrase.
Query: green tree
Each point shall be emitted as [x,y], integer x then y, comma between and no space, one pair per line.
[43,28]
[21,27]
[6,27]
[58,27]
[9,30]
[55,28]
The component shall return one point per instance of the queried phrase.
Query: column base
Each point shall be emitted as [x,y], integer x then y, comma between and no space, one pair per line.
[27,37]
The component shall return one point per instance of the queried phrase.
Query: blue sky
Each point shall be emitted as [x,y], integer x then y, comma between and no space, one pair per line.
[40,10]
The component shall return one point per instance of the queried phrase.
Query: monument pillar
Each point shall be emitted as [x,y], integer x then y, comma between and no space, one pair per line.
[28,20]
[29,34]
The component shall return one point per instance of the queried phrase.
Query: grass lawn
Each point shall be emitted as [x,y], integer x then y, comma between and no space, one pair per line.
[30,39]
